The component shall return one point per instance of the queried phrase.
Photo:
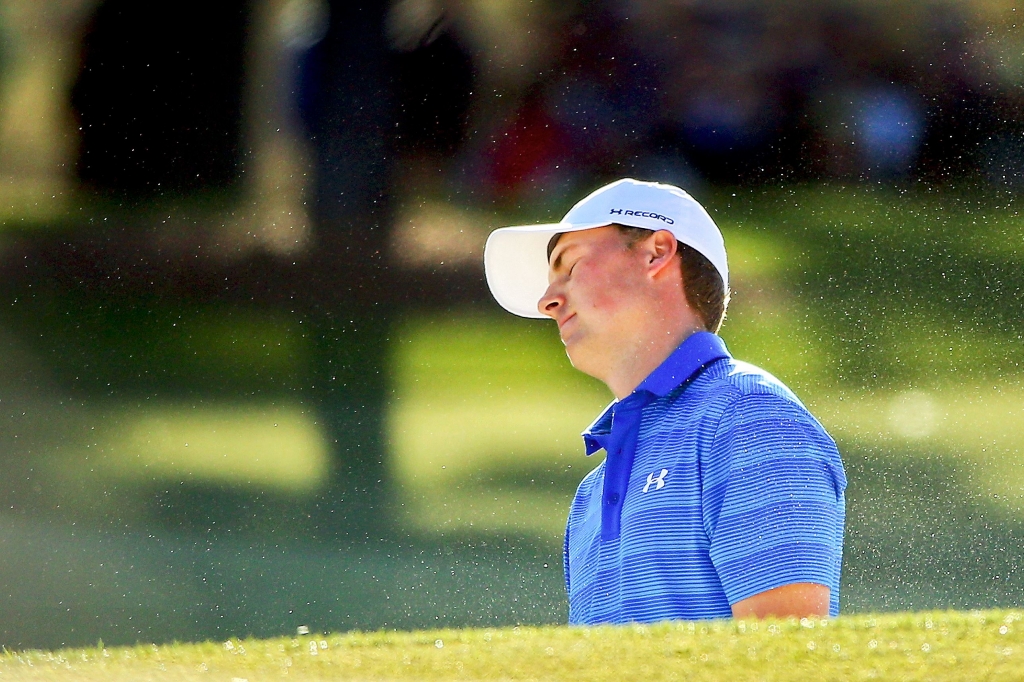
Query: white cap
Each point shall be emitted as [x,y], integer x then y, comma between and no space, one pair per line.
[516,258]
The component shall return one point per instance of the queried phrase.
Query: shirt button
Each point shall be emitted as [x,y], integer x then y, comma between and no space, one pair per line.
[613,498]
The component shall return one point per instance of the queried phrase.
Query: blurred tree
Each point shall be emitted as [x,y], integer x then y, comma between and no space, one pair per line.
[377,85]
[277,158]
[150,129]
[347,292]
[37,130]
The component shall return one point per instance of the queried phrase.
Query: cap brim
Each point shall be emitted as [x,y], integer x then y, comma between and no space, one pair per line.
[516,265]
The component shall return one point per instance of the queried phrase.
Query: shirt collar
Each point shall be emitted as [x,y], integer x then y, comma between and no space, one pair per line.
[697,351]
[693,354]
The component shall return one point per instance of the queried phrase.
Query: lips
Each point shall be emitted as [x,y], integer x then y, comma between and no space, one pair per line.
[562,324]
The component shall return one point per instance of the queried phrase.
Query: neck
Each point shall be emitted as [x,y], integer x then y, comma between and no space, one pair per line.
[645,355]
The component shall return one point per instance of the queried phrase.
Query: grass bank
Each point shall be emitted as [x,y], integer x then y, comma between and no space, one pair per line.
[949,645]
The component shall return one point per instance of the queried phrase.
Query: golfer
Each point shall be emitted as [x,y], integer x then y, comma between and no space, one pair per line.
[719,495]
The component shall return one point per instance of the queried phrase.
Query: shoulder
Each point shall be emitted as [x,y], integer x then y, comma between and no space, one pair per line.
[763,433]
[727,385]
[736,380]
[747,403]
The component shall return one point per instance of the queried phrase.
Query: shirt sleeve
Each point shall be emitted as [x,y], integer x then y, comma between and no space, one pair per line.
[773,498]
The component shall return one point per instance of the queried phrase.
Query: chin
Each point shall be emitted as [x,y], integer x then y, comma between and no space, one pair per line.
[571,353]
[578,358]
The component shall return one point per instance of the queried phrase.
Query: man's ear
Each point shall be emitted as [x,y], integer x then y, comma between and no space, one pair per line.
[660,250]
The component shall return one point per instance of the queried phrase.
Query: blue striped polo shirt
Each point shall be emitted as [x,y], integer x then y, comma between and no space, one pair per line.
[717,485]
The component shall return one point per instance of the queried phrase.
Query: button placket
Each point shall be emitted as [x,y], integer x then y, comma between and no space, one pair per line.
[619,464]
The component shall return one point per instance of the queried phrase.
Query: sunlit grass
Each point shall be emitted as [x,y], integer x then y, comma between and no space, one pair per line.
[484,395]
[256,447]
[438,441]
[980,429]
[462,508]
[758,254]
[985,221]
[920,646]
[768,328]
[476,354]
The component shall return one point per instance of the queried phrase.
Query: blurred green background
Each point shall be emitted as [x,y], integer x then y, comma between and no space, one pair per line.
[219,421]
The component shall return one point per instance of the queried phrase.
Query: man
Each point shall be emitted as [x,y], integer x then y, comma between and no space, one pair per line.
[720,495]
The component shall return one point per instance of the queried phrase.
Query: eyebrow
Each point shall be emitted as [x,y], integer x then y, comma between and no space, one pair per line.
[558,259]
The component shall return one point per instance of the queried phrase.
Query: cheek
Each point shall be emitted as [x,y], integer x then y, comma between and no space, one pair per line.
[605,293]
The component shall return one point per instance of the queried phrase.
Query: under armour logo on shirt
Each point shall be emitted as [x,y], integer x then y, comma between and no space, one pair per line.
[657,481]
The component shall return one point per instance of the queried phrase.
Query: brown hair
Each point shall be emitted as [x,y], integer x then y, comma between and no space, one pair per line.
[702,284]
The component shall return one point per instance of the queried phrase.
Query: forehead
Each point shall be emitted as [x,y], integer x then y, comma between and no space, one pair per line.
[563,240]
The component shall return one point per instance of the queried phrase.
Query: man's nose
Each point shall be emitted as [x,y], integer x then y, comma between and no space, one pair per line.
[550,302]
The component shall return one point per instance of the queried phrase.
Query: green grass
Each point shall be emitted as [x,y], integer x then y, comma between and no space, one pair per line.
[922,646]
[258,447]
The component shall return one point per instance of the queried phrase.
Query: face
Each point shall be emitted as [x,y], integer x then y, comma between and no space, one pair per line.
[595,294]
